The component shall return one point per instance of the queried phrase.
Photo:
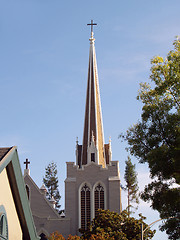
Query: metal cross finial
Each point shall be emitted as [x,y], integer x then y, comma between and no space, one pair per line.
[92,24]
[27,163]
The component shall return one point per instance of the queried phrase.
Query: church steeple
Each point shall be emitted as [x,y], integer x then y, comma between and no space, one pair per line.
[93,147]
[94,182]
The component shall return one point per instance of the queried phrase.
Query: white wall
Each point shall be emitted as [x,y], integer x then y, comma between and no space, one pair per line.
[7,201]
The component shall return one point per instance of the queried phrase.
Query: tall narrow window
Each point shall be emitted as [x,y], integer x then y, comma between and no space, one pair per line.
[92,157]
[98,198]
[3,226]
[85,206]
[27,190]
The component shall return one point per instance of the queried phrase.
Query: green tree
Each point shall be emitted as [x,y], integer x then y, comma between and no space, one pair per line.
[111,225]
[155,139]
[100,236]
[131,186]
[56,236]
[70,237]
[51,182]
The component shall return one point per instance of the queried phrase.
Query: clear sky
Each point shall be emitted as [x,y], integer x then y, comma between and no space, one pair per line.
[44,50]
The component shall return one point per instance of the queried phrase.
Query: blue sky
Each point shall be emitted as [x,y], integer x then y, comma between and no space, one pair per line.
[44,51]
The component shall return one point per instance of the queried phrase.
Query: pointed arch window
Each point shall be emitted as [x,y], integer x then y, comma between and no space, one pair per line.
[92,157]
[3,224]
[43,236]
[28,191]
[85,206]
[98,198]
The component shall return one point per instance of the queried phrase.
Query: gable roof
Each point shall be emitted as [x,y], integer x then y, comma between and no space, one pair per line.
[46,218]
[40,205]
[9,160]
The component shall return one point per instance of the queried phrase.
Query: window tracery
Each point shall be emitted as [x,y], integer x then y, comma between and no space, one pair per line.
[98,198]
[85,206]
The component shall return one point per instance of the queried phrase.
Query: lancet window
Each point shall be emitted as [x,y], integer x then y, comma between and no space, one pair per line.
[3,224]
[98,198]
[92,157]
[85,206]
[28,191]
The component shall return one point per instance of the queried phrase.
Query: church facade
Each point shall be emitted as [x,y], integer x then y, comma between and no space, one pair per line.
[93,182]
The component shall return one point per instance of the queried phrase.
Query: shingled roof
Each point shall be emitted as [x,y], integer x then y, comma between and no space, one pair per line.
[4,151]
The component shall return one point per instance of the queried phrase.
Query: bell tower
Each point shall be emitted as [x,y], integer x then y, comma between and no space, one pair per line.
[94,181]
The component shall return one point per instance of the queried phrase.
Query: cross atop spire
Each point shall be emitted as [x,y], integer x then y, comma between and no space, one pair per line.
[92,24]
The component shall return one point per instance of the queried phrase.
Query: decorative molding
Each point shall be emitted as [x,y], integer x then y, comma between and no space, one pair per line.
[70,179]
[92,149]
[42,230]
[114,178]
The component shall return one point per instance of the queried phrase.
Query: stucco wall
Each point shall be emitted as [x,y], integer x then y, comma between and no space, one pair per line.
[46,219]
[91,174]
[7,201]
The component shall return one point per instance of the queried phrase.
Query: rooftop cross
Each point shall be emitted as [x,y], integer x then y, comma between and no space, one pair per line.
[92,24]
[26,162]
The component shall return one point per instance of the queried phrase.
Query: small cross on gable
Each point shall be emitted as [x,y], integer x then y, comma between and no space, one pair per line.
[27,163]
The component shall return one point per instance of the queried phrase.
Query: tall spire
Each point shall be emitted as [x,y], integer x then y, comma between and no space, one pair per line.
[93,137]
[93,148]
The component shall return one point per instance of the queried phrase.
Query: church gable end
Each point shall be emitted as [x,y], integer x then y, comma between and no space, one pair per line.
[47,219]
[13,197]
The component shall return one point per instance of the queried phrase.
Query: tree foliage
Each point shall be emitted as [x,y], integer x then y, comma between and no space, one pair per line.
[131,186]
[51,182]
[70,237]
[111,225]
[155,139]
[100,236]
[57,236]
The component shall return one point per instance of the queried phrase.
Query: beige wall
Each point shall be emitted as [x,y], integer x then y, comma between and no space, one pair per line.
[6,200]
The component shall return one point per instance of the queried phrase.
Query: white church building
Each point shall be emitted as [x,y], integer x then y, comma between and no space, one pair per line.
[93,180]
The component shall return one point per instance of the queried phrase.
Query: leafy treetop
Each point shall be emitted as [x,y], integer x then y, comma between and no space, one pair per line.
[155,139]
[116,226]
